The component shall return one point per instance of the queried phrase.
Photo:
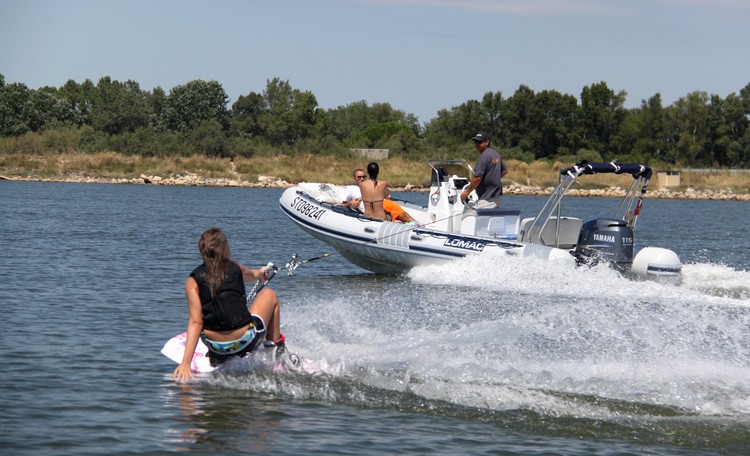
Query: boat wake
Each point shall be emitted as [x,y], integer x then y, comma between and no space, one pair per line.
[528,339]
[717,280]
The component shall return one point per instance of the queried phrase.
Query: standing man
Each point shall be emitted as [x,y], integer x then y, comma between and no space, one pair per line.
[488,173]
[486,180]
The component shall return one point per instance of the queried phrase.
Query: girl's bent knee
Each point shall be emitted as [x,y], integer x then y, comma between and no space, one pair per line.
[267,293]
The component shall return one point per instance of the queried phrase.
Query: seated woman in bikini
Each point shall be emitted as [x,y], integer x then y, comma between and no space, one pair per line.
[217,311]
[374,192]
[354,197]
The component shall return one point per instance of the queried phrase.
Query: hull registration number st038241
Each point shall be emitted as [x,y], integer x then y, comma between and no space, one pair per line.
[307,209]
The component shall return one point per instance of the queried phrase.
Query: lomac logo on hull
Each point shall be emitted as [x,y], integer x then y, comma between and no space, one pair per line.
[466,244]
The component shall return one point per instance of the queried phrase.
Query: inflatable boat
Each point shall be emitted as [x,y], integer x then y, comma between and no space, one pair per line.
[444,232]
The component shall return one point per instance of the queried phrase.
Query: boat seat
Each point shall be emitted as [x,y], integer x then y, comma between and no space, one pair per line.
[328,199]
[345,210]
[501,223]
[570,228]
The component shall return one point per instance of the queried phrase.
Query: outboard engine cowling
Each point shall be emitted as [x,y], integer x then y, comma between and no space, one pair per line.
[605,239]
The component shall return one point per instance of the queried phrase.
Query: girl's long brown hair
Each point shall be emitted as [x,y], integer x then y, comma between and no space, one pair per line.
[214,249]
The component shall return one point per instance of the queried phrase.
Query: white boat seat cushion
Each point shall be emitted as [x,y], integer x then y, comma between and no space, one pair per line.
[570,228]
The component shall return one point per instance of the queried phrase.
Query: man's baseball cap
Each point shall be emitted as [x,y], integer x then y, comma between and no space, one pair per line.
[481,137]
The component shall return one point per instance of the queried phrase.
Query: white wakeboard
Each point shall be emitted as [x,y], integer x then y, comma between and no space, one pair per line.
[174,349]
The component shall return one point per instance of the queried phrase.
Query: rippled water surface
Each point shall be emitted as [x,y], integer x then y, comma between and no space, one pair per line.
[481,356]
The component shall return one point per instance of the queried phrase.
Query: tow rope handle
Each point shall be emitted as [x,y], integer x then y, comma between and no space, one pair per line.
[293,264]
[271,270]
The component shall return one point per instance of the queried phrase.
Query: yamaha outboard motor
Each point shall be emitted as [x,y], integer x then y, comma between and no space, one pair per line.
[606,239]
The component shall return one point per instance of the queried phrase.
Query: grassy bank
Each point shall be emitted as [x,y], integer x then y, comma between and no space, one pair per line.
[312,168]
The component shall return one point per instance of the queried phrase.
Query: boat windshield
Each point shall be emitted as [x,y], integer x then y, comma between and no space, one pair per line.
[442,169]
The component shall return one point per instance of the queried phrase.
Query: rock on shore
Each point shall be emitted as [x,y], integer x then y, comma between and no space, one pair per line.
[192,179]
[184,179]
[617,192]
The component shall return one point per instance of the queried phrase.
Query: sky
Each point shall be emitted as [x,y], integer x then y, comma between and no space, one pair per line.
[420,56]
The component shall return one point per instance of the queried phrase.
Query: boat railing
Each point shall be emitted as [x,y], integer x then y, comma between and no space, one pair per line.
[550,210]
[627,211]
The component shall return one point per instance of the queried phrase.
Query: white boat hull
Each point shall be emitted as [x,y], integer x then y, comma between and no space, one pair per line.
[393,247]
[443,234]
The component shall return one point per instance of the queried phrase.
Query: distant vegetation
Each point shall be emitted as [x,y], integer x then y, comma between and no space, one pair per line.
[697,131]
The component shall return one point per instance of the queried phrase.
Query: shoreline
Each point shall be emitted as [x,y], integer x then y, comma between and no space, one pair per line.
[194,180]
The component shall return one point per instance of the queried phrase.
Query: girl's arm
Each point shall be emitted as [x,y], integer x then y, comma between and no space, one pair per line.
[194,328]
[251,275]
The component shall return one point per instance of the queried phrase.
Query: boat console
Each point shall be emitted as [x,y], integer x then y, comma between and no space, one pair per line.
[449,179]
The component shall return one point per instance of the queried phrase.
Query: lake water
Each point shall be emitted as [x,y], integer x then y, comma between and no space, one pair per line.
[475,357]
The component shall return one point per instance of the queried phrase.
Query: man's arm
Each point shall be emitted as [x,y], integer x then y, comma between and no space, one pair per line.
[473,184]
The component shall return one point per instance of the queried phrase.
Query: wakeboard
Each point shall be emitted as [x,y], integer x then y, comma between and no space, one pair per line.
[174,349]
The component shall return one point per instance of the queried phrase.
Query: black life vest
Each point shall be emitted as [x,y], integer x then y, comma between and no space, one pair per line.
[229,310]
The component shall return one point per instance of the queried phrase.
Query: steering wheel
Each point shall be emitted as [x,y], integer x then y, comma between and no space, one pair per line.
[471,201]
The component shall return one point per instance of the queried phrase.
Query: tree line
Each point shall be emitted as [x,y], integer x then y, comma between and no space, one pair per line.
[698,130]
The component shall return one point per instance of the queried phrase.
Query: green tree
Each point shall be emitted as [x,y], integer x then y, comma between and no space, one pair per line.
[492,106]
[718,138]
[50,111]
[350,122]
[289,114]
[644,133]
[156,103]
[190,104]
[23,109]
[602,113]
[118,107]
[80,99]
[653,140]
[451,128]
[376,134]
[688,118]
[521,129]
[246,114]
[16,109]
[742,131]
[727,125]
[209,138]
[385,113]
[542,124]
[345,121]
[556,116]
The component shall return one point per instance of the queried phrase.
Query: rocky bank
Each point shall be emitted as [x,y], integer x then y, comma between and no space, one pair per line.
[192,179]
